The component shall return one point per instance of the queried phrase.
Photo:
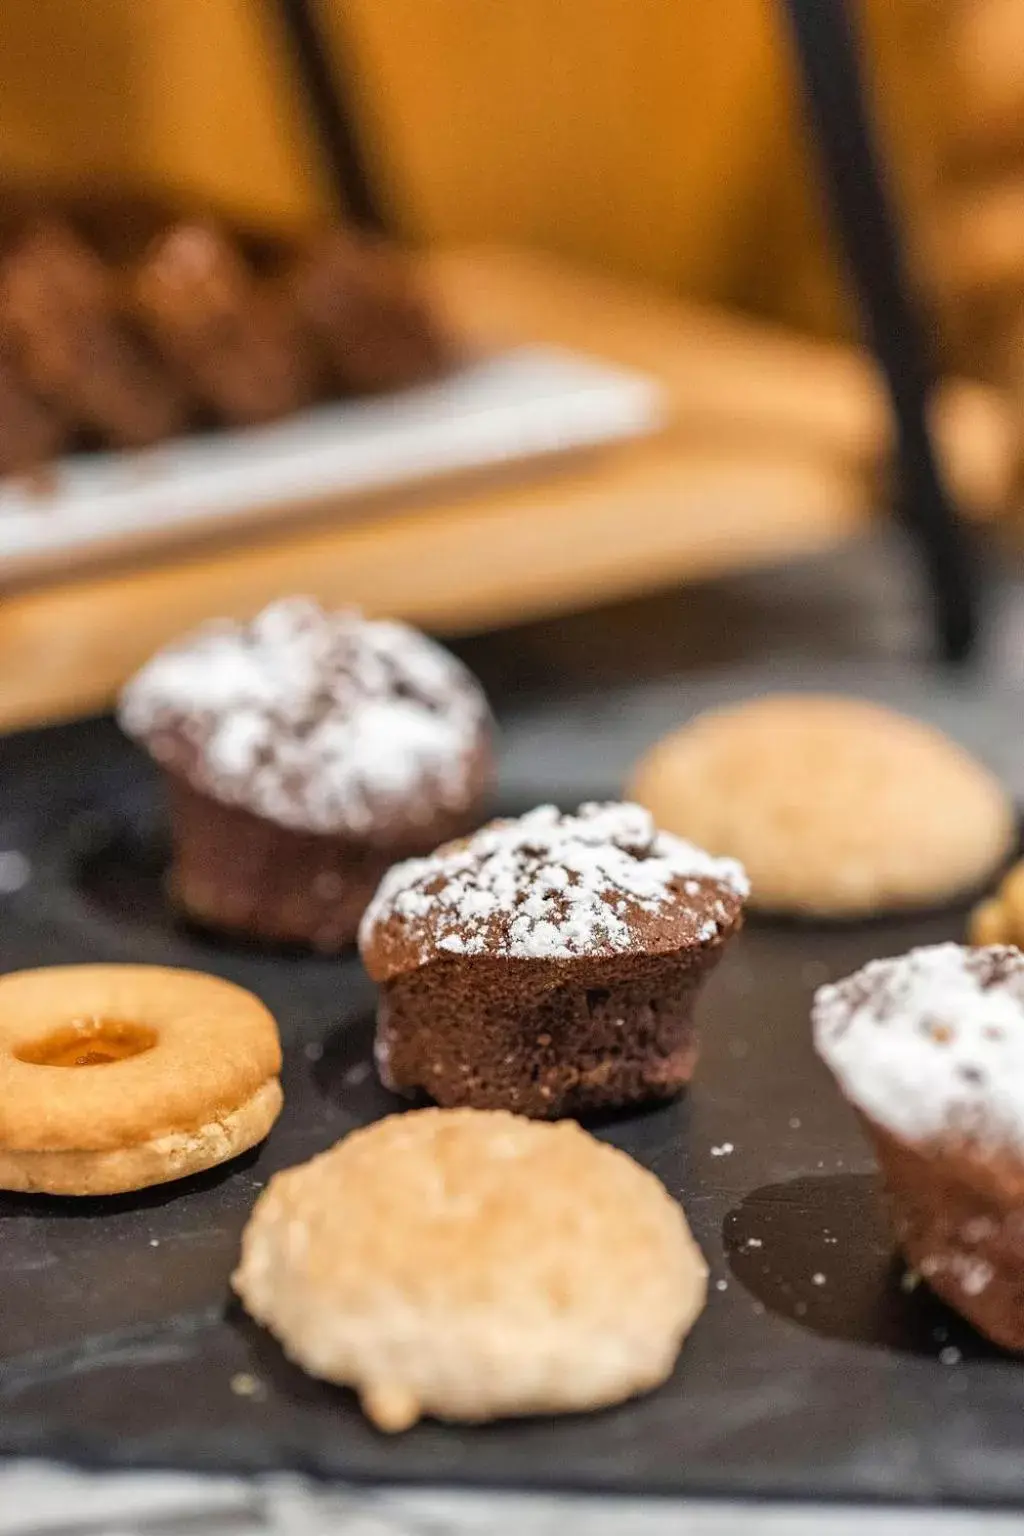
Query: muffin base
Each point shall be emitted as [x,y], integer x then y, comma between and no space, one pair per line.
[544,1038]
[958,1214]
[235,871]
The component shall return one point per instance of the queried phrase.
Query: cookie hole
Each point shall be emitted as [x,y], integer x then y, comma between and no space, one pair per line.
[90,1042]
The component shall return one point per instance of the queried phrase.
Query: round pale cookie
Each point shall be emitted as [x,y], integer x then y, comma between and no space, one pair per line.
[116,1077]
[836,807]
[471,1264]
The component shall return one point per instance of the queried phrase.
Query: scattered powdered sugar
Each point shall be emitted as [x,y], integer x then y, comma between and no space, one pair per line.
[324,722]
[977,1228]
[15,871]
[552,886]
[931,1042]
[971,1273]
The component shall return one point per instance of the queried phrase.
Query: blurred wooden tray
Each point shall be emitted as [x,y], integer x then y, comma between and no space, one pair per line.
[776,446]
[506,409]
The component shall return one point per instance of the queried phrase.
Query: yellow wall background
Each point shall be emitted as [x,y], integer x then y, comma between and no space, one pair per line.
[657,137]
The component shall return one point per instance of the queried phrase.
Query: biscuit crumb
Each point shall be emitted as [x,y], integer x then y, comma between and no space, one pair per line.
[245,1385]
[392,1408]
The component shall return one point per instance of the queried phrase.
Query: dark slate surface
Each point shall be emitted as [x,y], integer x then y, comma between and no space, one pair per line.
[118,1340]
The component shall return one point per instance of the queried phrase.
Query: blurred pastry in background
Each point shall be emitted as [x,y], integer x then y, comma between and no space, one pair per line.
[306,752]
[929,1048]
[836,807]
[31,432]
[473,1266]
[374,327]
[62,320]
[130,326]
[549,965]
[224,331]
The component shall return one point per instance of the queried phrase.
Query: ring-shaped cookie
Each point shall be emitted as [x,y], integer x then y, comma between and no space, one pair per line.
[116,1077]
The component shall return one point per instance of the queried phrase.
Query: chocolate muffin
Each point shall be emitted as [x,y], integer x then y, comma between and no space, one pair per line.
[372,325]
[929,1048]
[305,752]
[231,336]
[548,965]
[63,324]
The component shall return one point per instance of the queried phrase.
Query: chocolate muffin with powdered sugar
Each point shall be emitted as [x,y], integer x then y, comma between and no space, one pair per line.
[548,965]
[305,752]
[929,1048]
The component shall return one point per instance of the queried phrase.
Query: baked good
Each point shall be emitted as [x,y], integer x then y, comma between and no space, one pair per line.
[121,327]
[30,431]
[305,752]
[473,1265]
[61,320]
[999,919]
[929,1048]
[836,807]
[116,1077]
[219,327]
[548,965]
[365,313]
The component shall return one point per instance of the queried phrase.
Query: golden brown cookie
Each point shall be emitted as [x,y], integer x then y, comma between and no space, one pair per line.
[1000,918]
[473,1264]
[115,1077]
[835,806]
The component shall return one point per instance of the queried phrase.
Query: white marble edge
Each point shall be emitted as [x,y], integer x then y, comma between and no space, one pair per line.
[40,1499]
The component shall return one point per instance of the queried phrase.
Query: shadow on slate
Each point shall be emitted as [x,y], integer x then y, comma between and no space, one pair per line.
[119,1341]
[833,1228]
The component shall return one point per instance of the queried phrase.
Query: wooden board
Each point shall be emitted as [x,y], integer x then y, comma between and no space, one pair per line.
[777,448]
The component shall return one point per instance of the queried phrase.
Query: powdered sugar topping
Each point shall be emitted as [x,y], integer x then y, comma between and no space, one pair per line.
[325,722]
[932,1042]
[550,886]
